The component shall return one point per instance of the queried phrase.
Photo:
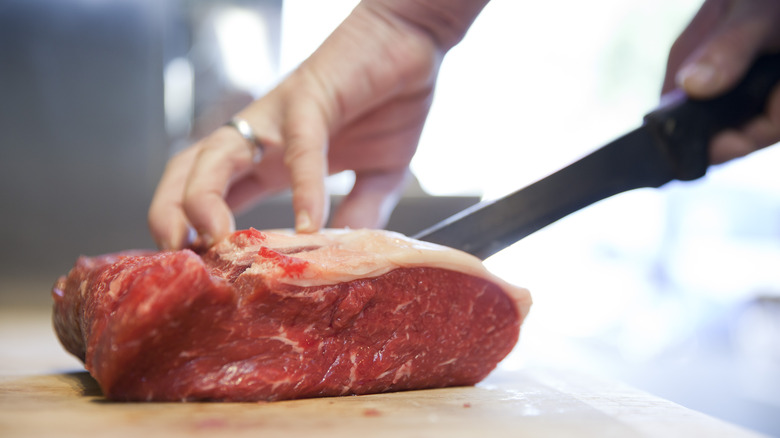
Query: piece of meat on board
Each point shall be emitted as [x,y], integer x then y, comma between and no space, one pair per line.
[273,316]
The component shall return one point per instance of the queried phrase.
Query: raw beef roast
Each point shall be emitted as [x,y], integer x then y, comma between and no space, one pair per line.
[273,316]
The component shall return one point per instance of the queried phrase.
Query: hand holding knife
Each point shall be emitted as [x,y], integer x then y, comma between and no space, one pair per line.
[672,144]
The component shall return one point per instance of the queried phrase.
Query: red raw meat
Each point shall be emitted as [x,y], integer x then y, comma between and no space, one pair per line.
[273,316]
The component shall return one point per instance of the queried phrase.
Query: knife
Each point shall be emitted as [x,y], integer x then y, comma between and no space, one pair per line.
[671,144]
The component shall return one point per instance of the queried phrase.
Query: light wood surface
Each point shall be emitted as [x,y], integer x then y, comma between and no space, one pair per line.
[44,392]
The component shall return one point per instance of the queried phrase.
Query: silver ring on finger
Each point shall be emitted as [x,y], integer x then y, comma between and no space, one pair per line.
[246,131]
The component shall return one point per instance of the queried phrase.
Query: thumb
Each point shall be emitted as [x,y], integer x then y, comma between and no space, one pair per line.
[722,59]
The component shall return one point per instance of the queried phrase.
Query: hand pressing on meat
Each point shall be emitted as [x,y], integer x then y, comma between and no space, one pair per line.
[712,55]
[357,103]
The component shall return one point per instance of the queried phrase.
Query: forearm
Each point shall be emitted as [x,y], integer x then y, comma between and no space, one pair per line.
[446,21]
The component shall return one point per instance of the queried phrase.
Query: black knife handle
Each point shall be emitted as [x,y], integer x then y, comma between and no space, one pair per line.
[686,125]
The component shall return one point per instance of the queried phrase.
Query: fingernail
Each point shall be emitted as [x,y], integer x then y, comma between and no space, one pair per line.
[207,240]
[697,76]
[179,240]
[303,221]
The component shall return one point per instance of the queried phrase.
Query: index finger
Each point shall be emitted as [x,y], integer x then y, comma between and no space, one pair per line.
[223,157]
[167,221]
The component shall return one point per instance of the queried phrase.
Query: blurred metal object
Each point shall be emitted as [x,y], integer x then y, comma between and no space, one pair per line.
[233,48]
[94,97]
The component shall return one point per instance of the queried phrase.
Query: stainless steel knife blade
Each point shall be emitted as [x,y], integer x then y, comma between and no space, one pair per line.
[671,144]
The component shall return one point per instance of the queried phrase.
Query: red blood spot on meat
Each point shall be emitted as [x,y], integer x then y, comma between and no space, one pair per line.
[292,267]
[248,237]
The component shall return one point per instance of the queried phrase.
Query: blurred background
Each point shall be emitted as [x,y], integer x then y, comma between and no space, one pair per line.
[675,291]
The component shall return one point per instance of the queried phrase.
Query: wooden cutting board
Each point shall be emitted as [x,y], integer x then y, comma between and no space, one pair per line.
[534,402]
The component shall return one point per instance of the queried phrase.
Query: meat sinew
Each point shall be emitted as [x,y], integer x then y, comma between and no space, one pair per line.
[273,316]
